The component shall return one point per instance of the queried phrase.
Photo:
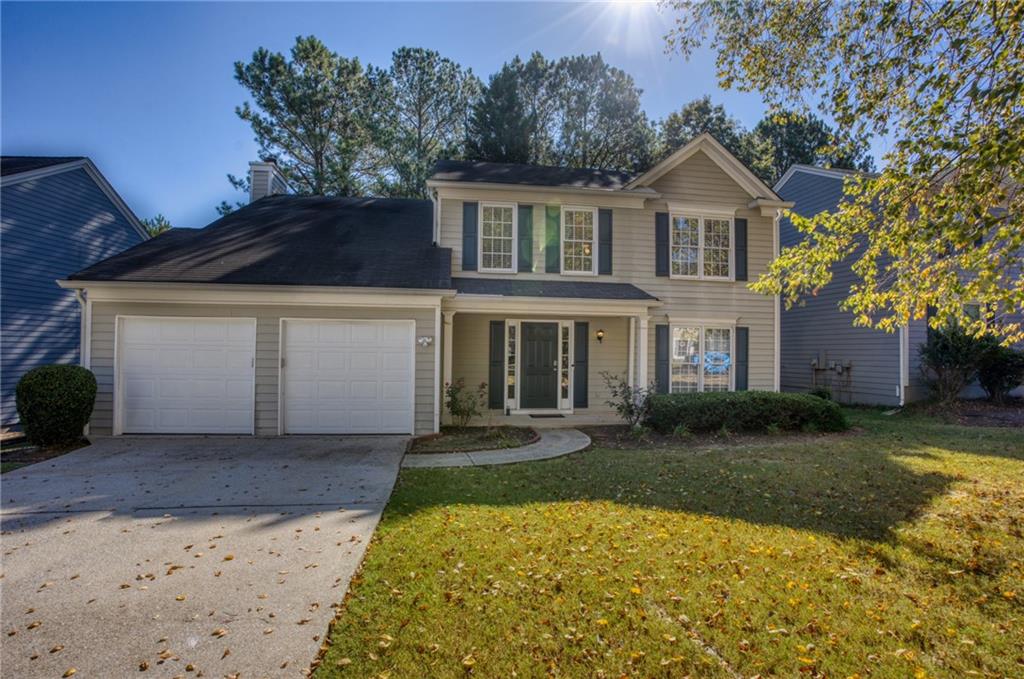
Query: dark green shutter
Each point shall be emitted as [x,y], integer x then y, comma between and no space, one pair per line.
[661,244]
[604,242]
[742,358]
[469,236]
[661,358]
[553,239]
[741,249]
[496,367]
[526,238]
[581,384]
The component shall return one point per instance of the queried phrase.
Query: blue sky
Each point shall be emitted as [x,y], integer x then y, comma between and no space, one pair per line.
[146,89]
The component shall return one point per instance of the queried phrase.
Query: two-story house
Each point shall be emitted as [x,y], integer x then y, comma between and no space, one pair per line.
[329,315]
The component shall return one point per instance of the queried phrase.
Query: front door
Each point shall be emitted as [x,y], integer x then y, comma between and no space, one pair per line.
[539,365]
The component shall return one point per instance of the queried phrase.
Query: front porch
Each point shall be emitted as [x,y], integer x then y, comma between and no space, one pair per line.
[544,361]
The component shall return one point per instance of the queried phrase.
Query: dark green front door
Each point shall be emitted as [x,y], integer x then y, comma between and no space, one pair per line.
[539,356]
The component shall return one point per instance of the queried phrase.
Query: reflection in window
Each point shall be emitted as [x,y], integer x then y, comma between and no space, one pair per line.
[511,370]
[496,237]
[685,359]
[701,359]
[717,359]
[685,246]
[578,241]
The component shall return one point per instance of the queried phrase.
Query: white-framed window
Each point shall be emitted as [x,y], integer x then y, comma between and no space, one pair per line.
[498,228]
[701,247]
[579,240]
[702,358]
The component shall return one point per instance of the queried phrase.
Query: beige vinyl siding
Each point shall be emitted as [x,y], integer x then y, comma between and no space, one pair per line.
[268,322]
[470,346]
[698,180]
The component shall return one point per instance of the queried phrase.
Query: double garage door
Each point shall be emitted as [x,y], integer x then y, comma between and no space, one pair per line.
[198,376]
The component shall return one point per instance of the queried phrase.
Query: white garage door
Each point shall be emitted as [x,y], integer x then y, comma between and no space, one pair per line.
[347,377]
[187,375]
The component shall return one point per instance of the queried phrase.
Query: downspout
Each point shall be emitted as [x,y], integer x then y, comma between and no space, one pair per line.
[84,335]
[777,376]
[435,213]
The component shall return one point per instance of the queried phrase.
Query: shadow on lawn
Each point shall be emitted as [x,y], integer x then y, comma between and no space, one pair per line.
[829,486]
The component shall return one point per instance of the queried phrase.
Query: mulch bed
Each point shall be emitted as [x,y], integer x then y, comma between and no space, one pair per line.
[469,439]
[979,413]
[618,437]
[19,453]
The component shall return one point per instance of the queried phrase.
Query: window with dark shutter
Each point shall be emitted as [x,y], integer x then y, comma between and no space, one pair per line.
[496,367]
[526,238]
[469,236]
[604,244]
[740,226]
[661,244]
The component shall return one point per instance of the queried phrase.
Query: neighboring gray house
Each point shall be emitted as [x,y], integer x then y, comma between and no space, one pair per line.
[57,214]
[820,344]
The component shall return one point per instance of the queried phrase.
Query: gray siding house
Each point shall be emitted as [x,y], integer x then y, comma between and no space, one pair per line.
[820,344]
[57,214]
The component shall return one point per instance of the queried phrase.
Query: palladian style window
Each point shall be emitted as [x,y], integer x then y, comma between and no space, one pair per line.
[702,359]
[497,237]
[579,240]
[701,247]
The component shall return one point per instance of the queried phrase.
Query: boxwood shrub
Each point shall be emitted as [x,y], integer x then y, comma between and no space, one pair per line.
[744,411]
[54,403]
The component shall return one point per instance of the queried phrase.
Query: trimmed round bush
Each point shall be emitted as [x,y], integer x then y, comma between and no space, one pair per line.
[744,411]
[55,402]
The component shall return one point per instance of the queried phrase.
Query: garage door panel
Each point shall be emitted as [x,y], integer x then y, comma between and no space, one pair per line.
[187,375]
[345,377]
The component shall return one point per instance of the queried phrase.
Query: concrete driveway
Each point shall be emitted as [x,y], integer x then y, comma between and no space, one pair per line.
[157,554]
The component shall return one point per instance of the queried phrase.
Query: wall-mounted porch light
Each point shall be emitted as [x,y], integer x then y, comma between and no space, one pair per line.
[600,335]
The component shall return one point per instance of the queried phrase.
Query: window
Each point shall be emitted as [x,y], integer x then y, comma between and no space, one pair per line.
[579,240]
[701,247]
[701,359]
[510,363]
[497,237]
[565,361]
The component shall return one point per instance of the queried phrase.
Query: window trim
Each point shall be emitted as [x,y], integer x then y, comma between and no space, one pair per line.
[700,217]
[702,327]
[594,241]
[480,237]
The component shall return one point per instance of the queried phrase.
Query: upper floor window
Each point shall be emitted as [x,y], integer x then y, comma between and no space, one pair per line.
[497,237]
[579,240]
[701,247]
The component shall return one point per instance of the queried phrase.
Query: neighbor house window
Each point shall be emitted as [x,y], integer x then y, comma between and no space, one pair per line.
[579,240]
[497,237]
[701,246]
[701,359]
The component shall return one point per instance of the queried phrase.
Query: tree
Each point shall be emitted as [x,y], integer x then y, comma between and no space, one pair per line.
[509,122]
[701,116]
[156,225]
[793,137]
[309,112]
[599,119]
[942,224]
[421,106]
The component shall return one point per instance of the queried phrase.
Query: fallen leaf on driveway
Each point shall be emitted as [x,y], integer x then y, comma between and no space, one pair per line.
[219,632]
[70,673]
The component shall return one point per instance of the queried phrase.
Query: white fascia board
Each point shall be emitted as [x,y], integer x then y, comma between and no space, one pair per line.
[554,194]
[500,304]
[295,295]
[95,175]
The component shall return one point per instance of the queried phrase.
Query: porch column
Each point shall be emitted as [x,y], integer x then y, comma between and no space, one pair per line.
[641,352]
[446,363]
[631,369]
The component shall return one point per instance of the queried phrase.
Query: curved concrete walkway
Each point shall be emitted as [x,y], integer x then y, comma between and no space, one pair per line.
[552,443]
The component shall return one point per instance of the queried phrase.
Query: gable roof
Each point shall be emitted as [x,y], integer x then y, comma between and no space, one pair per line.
[529,175]
[731,165]
[16,164]
[294,240]
[827,172]
[17,169]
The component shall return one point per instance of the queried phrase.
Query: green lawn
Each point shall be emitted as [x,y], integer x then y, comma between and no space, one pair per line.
[892,551]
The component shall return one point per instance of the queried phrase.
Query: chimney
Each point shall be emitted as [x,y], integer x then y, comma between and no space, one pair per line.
[265,179]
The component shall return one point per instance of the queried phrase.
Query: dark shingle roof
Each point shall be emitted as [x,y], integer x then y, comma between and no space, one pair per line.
[17,164]
[295,240]
[532,175]
[563,289]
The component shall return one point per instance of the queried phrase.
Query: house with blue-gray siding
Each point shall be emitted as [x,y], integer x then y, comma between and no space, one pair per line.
[57,214]
[821,347]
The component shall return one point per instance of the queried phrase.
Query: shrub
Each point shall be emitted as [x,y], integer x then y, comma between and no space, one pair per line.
[1000,371]
[821,392]
[950,360]
[463,404]
[54,403]
[744,411]
[633,404]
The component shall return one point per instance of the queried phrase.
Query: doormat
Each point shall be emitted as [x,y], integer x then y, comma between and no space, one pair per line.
[547,417]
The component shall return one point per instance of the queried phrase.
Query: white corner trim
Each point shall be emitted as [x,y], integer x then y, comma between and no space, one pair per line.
[777,322]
